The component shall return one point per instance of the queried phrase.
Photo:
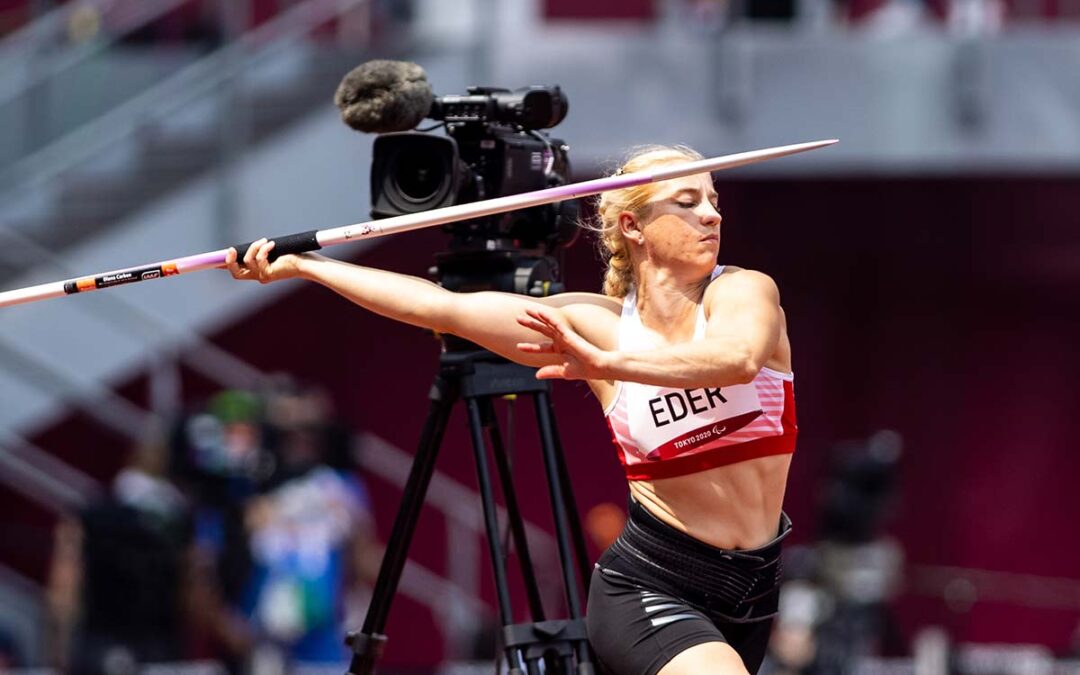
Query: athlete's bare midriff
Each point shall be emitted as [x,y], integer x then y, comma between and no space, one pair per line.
[736,506]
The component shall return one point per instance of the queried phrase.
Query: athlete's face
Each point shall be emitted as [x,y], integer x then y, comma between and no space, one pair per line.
[682,224]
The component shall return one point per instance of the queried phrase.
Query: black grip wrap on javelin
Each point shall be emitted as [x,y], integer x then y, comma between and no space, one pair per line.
[284,245]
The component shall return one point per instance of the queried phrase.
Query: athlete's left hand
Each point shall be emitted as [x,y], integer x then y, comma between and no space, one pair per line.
[580,359]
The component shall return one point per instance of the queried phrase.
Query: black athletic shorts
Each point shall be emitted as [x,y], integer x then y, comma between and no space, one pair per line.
[658,591]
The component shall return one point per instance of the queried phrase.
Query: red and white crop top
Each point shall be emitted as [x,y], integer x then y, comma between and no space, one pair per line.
[661,432]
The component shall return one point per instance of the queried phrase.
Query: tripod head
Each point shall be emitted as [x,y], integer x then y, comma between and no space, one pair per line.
[507,270]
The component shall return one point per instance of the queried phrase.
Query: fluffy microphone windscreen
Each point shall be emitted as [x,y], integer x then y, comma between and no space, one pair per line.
[382,96]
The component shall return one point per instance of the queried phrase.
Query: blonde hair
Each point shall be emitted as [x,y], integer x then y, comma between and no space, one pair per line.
[619,276]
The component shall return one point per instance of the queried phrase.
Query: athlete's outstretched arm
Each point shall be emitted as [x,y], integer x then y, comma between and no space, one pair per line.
[742,333]
[486,318]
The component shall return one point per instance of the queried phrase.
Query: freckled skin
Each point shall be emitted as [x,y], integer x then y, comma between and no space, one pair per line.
[679,233]
[680,221]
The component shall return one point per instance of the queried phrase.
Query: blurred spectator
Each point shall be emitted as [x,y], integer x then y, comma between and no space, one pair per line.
[220,457]
[793,649]
[63,595]
[311,532]
[835,603]
[279,522]
[215,629]
[118,571]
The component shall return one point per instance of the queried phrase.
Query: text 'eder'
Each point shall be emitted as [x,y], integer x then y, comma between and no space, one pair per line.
[679,404]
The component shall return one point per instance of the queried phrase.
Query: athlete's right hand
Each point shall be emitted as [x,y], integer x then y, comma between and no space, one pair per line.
[257,265]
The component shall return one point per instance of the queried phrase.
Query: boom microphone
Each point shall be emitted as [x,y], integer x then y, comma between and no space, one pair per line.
[382,96]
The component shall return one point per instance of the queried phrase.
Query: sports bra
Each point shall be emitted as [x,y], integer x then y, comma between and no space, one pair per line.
[663,432]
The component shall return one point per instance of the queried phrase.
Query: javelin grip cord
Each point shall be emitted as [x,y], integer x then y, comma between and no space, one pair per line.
[284,245]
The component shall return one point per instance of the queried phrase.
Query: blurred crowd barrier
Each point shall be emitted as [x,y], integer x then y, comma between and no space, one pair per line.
[208,22]
[205,22]
[713,14]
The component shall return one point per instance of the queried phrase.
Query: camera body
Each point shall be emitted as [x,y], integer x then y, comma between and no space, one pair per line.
[492,148]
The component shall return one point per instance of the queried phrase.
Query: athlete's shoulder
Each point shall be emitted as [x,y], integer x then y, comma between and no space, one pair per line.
[741,281]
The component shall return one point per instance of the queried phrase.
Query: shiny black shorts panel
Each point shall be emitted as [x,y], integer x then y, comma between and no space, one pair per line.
[657,592]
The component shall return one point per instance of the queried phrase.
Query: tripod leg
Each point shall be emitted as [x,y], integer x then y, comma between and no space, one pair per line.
[514,656]
[517,527]
[368,643]
[558,502]
[549,443]
[578,536]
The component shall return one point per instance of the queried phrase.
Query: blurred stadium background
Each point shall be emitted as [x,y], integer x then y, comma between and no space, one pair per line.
[163,447]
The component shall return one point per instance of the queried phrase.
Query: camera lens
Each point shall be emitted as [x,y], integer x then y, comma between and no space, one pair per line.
[417,177]
[413,172]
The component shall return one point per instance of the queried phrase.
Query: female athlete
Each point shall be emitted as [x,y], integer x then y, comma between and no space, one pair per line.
[691,365]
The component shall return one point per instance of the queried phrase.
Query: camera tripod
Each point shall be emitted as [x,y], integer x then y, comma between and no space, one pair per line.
[478,376]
